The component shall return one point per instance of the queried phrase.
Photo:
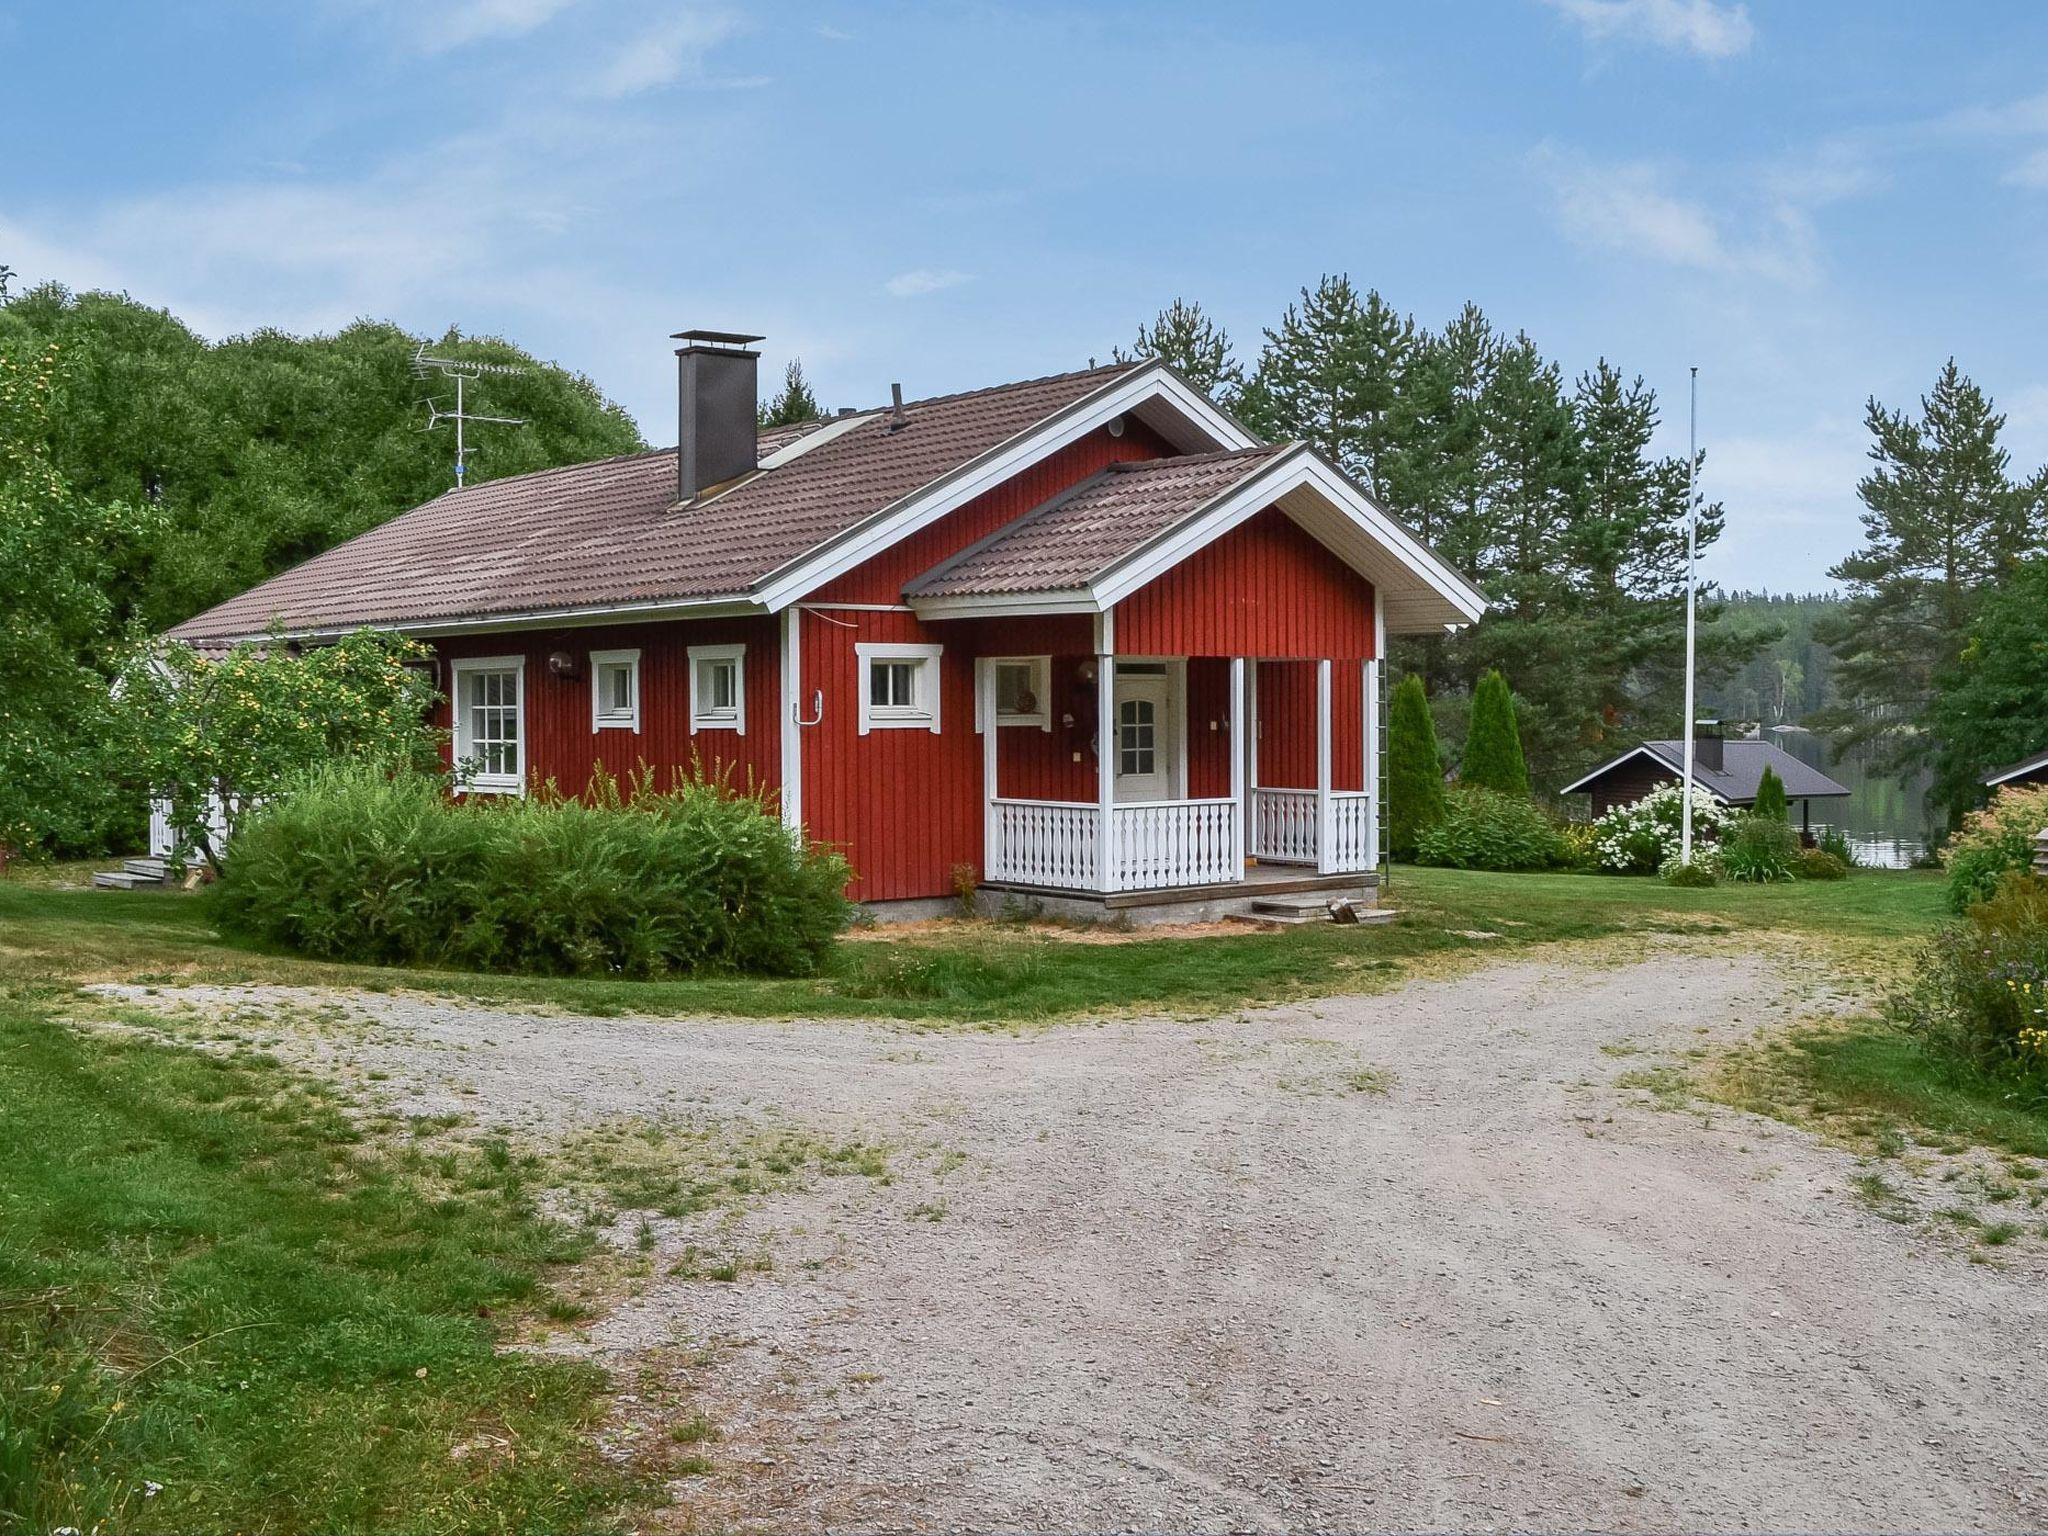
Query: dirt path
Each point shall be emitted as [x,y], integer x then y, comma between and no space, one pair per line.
[1412,1261]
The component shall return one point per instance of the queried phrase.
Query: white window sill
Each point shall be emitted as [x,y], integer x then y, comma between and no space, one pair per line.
[494,785]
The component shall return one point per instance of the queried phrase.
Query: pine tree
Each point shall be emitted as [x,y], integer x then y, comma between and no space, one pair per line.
[795,404]
[1332,375]
[1943,518]
[1186,339]
[1770,797]
[1991,707]
[1493,745]
[1415,775]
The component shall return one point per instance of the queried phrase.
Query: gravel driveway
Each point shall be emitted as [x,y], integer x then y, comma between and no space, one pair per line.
[1410,1261]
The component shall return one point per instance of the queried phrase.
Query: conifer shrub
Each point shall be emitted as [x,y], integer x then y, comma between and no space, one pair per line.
[1415,775]
[1770,797]
[357,863]
[1485,829]
[1493,745]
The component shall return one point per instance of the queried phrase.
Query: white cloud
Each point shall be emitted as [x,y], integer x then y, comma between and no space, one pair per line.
[1788,499]
[1769,231]
[1704,27]
[2030,172]
[919,281]
[670,53]
[442,27]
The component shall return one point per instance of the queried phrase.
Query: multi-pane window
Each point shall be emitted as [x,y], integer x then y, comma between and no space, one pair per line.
[615,690]
[718,688]
[1137,736]
[893,684]
[488,724]
[899,688]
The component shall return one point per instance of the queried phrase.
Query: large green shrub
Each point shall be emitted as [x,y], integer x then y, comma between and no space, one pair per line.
[1415,775]
[1493,746]
[1757,849]
[1980,989]
[1484,829]
[1993,842]
[357,863]
[1770,796]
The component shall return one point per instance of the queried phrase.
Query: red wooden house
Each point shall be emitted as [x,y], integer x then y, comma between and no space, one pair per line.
[912,623]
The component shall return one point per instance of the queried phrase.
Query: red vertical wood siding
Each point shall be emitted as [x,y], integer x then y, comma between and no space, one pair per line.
[560,744]
[1287,725]
[883,578]
[1266,588]
[1208,721]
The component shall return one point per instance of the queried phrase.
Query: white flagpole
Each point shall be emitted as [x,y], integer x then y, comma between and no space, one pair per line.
[1692,522]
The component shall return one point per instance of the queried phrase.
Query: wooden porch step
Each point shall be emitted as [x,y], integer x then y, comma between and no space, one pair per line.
[150,868]
[1290,910]
[122,880]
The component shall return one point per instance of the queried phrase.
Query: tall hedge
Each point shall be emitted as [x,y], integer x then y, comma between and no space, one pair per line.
[1770,797]
[1493,744]
[356,863]
[1415,775]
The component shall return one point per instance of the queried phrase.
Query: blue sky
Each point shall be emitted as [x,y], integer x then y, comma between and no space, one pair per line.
[1812,201]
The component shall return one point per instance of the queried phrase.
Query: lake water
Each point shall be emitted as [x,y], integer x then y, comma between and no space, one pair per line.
[1885,819]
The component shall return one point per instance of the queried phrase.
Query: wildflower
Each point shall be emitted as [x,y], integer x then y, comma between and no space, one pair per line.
[150,1489]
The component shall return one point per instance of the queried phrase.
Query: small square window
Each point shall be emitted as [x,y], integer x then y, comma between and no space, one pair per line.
[1021,685]
[718,688]
[615,690]
[901,687]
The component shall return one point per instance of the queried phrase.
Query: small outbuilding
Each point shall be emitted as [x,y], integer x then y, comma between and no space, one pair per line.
[1728,770]
[2028,770]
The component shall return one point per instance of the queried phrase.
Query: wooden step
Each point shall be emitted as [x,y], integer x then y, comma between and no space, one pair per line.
[122,880]
[150,868]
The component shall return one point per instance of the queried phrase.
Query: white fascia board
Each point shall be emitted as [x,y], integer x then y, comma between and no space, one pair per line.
[1579,785]
[1300,467]
[926,506]
[1993,780]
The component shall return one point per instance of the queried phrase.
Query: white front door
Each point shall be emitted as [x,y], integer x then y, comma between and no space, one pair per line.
[1145,737]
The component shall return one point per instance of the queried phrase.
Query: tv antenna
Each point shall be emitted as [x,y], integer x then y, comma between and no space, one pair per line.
[462,372]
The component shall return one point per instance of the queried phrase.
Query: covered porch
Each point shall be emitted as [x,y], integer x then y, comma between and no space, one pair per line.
[1214,772]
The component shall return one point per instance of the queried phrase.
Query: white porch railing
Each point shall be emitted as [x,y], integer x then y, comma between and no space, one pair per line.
[1042,842]
[1284,829]
[1155,845]
[1351,829]
[1165,843]
[1284,825]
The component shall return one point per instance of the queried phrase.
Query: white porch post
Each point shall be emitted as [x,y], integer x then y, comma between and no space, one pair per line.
[792,711]
[1323,838]
[985,716]
[1105,749]
[1369,779]
[1240,800]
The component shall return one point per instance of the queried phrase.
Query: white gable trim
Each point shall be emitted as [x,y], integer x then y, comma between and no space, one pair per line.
[1299,468]
[2000,776]
[925,506]
[1676,770]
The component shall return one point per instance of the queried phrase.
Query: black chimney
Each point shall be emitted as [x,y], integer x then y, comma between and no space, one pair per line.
[1706,745]
[717,411]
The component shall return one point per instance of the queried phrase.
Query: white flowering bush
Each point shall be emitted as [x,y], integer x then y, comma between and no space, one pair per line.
[1640,839]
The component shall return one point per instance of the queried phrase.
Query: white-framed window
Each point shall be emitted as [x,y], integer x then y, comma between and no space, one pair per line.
[614,691]
[718,688]
[1021,686]
[489,695]
[899,687]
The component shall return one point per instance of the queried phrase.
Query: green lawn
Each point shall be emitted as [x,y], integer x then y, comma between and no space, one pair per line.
[993,972]
[217,1285]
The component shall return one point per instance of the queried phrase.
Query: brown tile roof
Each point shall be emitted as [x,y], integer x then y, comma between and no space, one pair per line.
[1079,534]
[612,533]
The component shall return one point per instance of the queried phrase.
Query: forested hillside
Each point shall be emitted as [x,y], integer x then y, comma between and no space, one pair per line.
[1789,674]
[262,450]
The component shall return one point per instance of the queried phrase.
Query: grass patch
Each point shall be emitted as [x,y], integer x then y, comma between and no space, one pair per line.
[1866,1082]
[223,1308]
[999,973]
